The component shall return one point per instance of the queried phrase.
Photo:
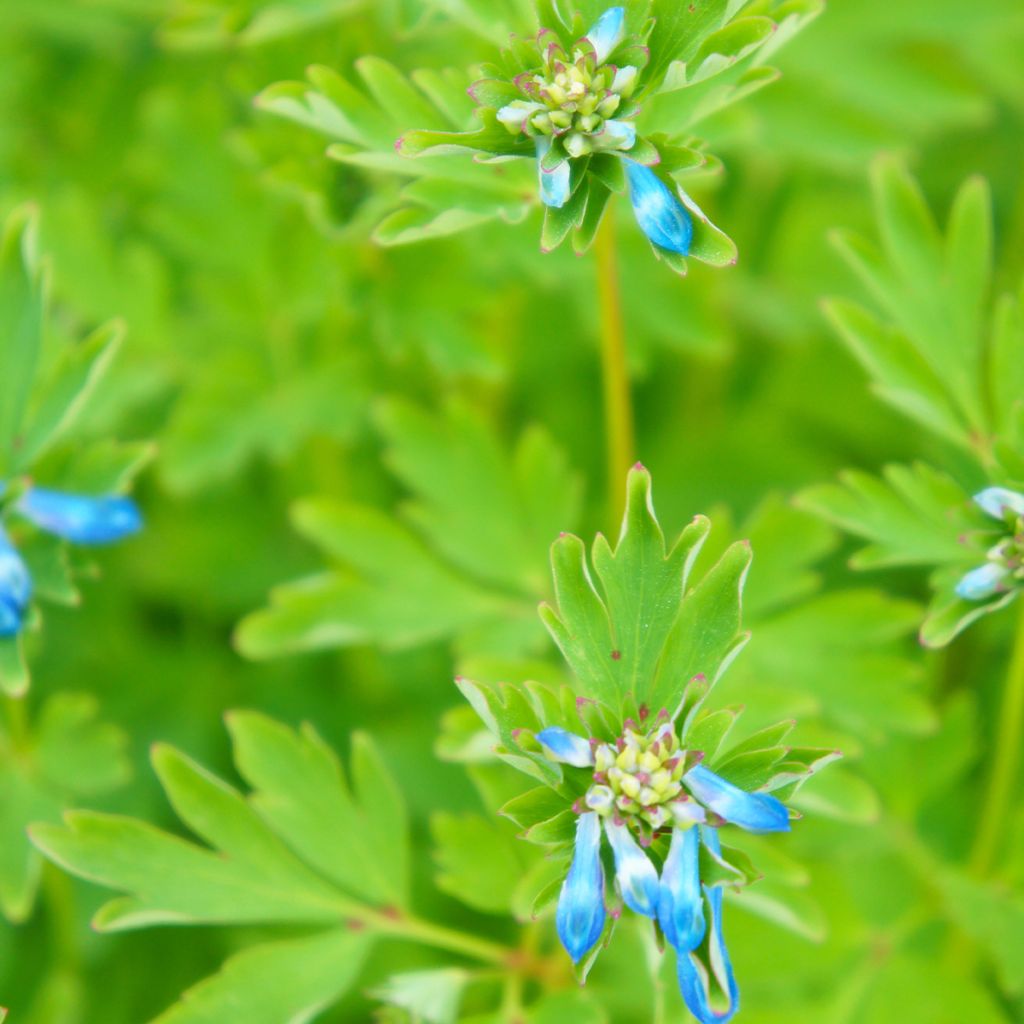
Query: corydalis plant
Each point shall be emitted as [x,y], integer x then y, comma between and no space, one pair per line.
[643,775]
[573,98]
[949,354]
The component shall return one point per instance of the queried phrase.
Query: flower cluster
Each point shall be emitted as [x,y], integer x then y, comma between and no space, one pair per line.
[645,787]
[578,103]
[72,517]
[1003,570]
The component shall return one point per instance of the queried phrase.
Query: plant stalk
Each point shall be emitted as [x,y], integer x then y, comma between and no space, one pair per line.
[618,401]
[1005,763]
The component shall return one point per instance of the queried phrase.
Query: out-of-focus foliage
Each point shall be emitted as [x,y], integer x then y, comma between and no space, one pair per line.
[949,358]
[439,404]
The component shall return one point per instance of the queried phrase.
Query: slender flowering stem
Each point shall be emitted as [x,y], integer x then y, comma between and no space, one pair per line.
[618,402]
[1006,761]
[961,953]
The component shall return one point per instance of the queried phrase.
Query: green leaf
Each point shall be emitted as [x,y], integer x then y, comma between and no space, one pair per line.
[432,997]
[902,377]
[399,595]
[292,980]
[272,857]
[22,308]
[65,392]
[477,862]
[913,515]
[481,515]
[14,677]
[790,909]
[993,916]
[679,31]
[300,792]
[934,291]
[68,753]
[639,640]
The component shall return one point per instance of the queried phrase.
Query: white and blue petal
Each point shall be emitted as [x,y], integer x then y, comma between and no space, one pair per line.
[625,80]
[81,519]
[634,872]
[709,988]
[997,500]
[680,898]
[755,812]
[660,214]
[616,135]
[516,115]
[982,582]
[567,747]
[580,915]
[15,588]
[607,32]
[556,185]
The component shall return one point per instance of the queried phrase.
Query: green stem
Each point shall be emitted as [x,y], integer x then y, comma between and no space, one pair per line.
[416,930]
[1005,764]
[15,718]
[618,402]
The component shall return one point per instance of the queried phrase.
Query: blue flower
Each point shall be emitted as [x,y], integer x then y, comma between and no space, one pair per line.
[73,517]
[660,214]
[1004,568]
[681,902]
[15,588]
[607,32]
[635,874]
[643,787]
[580,916]
[755,812]
[706,977]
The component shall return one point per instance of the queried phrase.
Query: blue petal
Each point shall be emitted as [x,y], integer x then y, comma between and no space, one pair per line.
[580,915]
[756,812]
[567,747]
[982,582]
[617,135]
[996,500]
[680,901]
[556,185]
[607,32]
[697,977]
[15,588]
[636,875]
[660,214]
[80,519]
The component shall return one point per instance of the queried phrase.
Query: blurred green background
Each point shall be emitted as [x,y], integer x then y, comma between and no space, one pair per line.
[269,339]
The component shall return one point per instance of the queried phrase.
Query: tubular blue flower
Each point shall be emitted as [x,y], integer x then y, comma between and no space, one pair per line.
[567,747]
[81,519]
[982,582]
[15,588]
[555,186]
[680,901]
[1004,568]
[607,32]
[637,878]
[999,501]
[73,517]
[660,214]
[581,915]
[709,987]
[755,812]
